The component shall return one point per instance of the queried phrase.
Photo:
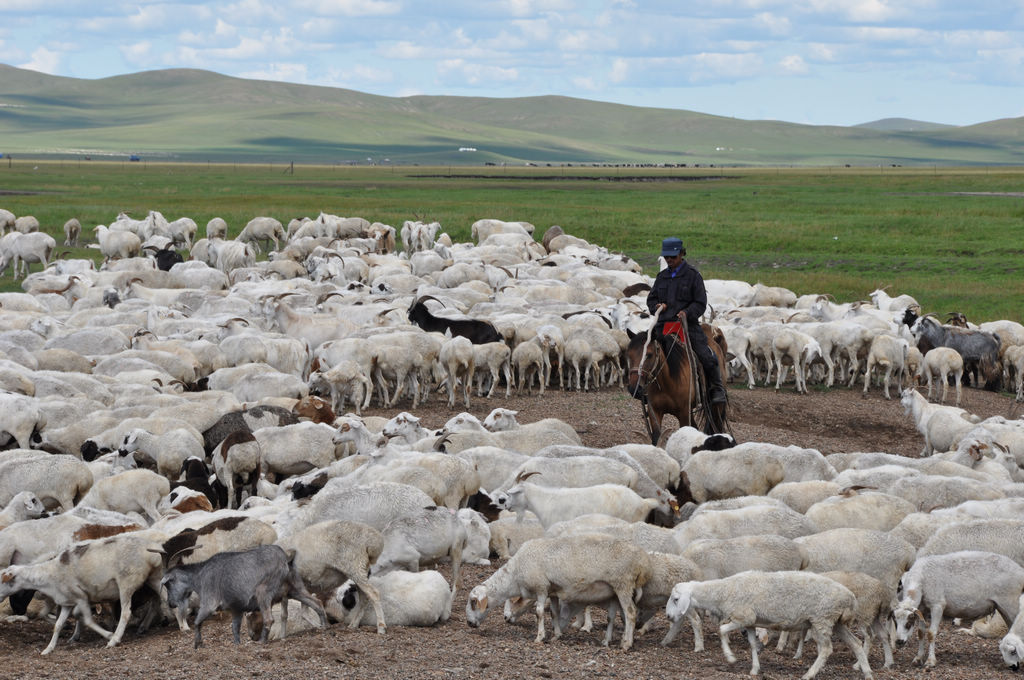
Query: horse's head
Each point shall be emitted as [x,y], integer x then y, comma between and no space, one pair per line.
[644,356]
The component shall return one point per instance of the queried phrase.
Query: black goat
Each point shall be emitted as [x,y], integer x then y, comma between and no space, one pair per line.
[197,478]
[980,350]
[476,330]
[167,258]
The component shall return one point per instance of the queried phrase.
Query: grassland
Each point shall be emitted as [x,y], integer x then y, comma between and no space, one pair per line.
[952,238]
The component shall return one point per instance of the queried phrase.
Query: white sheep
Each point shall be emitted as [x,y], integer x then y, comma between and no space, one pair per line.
[1012,644]
[423,537]
[376,503]
[889,352]
[236,464]
[585,569]
[136,490]
[109,570]
[711,475]
[25,505]
[783,600]
[72,230]
[117,244]
[1001,536]
[966,584]
[744,521]
[57,480]
[552,505]
[942,363]
[26,224]
[25,249]
[20,418]
[407,599]
[942,426]
[876,553]
[802,495]
[529,360]
[7,219]
[346,382]
[1013,358]
[227,256]
[166,452]
[262,229]
[295,449]
[329,553]
[721,557]
[216,228]
[494,358]
[458,359]
[800,350]
[866,510]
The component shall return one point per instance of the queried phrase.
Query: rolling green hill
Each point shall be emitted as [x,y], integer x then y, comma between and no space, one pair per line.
[193,115]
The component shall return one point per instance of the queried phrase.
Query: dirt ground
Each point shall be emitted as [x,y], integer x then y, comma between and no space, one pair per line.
[831,421]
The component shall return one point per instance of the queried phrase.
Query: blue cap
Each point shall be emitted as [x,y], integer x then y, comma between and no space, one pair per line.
[671,246]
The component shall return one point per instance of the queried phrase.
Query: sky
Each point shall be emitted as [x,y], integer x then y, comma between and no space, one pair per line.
[819,62]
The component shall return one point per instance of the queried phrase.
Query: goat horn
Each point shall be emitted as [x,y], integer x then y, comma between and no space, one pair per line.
[427,297]
[323,298]
[182,553]
[523,476]
[439,444]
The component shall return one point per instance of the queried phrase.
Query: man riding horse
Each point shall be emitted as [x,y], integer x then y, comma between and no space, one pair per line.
[678,292]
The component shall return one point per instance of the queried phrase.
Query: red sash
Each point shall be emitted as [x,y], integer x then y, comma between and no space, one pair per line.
[674,328]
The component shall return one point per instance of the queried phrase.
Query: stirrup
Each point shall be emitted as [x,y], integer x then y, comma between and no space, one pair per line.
[717,395]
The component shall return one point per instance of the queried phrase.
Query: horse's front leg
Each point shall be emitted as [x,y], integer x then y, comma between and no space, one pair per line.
[654,421]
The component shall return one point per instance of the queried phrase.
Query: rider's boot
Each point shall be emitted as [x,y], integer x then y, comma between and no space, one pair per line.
[716,390]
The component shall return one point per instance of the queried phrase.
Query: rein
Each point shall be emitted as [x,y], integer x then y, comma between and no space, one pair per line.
[642,388]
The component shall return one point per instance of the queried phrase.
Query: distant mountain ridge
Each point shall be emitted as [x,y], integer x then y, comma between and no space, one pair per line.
[904,125]
[195,115]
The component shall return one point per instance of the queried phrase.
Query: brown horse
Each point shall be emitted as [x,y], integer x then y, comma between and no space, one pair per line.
[667,384]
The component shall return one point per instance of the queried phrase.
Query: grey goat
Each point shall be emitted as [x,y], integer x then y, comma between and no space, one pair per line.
[247,581]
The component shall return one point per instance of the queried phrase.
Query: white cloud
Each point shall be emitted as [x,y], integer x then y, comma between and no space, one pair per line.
[773,24]
[534,30]
[711,66]
[139,54]
[403,50]
[361,75]
[822,52]
[44,61]
[857,10]
[350,8]
[794,64]
[586,41]
[474,73]
[619,72]
[585,84]
[287,72]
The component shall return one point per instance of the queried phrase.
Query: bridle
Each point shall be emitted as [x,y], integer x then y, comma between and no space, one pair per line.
[644,375]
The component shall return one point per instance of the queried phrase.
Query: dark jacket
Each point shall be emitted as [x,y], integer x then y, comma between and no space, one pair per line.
[682,292]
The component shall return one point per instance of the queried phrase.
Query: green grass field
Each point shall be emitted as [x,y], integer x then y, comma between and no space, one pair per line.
[954,239]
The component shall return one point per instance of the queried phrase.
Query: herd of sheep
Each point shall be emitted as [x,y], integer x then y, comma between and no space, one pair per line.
[165,419]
